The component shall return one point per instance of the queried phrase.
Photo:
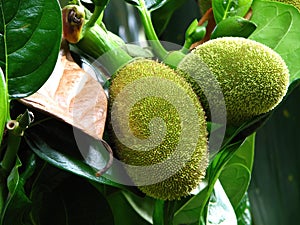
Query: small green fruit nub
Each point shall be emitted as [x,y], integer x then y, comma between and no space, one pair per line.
[154,90]
[253,77]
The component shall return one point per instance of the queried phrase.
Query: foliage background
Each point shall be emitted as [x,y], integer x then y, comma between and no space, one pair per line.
[42,181]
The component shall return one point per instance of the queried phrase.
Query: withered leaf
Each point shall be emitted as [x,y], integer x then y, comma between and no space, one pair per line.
[72,95]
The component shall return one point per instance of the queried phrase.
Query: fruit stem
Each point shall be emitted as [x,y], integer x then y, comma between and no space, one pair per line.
[186,47]
[98,44]
[16,130]
[98,12]
[158,49]
[13,144]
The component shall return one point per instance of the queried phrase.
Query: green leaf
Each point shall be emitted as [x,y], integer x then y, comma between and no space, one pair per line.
[65,162]
[235,26]
[227,8]
[278,28]
[235,188]
[275,186]
[3,104]
[243,212]
[158,214]
[133,2]
[245,153]
[220,210]
[18,203]
[67,148]
[189,212]
[194,209]
[152,4]
[214,170]
[194,33]
[73,201]
[123,213]
[164,212]
[192,27]
[239,167]
[162,15]
[30,36]
[161,10]
[144,206]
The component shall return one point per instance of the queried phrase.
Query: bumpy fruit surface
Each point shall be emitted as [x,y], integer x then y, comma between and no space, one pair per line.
[295,3]
[253,77]
[152,90]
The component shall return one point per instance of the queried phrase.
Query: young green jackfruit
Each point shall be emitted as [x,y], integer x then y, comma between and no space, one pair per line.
[253,78]
[158,126]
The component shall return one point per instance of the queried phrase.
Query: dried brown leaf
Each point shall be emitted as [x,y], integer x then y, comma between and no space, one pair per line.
[72,95]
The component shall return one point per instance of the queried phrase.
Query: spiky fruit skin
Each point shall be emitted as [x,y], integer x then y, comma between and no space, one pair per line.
[141,114]
[253,77]
[295,3]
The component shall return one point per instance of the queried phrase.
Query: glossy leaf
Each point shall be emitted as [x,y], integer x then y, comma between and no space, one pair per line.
[156,4]
[30,35]
[127,26]
[161,17]
[66,148]
[151,4]
[197,205]
[239,184]
[194,209]
[220,210]
[123,213]
[275,187]
[243,211]
[164,212]
[235,26]
[194,33]
[227,8]
[54,142]
[18,202]
[133,2]
[213,173]
[192,27]
[159,214]
[72,200]
[161,10]
[239,167]
[189,212]
[65,162]
[144,206]
[3,104]
[278,28]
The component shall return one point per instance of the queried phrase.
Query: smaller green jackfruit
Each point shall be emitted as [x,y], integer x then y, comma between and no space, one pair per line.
[253,77]
[145,91]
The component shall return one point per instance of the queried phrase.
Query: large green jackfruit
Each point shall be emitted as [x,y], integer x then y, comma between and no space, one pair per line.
[158,129]
[252,77]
